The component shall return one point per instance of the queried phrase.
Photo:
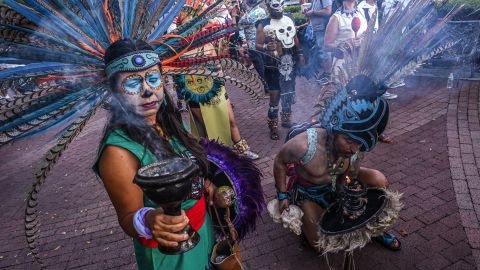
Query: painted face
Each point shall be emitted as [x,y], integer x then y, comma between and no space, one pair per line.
[275,5]
[346,146]
[143,90]
[198,84]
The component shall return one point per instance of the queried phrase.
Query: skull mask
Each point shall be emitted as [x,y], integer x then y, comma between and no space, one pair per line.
[285,30]
[275,5]
[291,219]
[286,66]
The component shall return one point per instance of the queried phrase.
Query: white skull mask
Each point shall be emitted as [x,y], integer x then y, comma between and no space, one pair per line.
[291,219]
[275,5]
[285,30]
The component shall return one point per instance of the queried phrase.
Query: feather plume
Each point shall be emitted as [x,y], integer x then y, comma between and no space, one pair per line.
[400,45]
[31,221]
[245,180]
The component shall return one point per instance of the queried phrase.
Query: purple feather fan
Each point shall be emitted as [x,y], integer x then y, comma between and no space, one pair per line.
[244,177]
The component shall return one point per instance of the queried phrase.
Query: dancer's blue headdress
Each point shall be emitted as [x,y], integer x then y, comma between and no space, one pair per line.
[351,112]
[355,107]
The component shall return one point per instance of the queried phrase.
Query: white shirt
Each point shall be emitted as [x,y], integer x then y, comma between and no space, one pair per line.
[371,10]
[345,32]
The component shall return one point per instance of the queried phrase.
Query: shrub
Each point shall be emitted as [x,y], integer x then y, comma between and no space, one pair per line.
[292,9]
[467,13]
[299,18]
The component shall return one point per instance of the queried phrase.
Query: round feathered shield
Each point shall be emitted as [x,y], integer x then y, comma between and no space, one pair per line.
[333,221]
[228,169]
[342,234]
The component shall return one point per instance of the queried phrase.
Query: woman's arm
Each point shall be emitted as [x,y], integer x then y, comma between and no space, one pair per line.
[331,34]
[117,169]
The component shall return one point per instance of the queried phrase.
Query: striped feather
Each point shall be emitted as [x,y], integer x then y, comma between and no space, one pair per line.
[31,218]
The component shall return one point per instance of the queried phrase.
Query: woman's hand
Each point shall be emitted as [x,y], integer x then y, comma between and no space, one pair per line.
[210,191]
[164,227]
[356,42]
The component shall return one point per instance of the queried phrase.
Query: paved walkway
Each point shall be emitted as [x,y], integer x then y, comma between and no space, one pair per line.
[434,161]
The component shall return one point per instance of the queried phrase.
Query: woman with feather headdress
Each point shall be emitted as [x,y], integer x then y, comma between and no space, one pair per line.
[75,56]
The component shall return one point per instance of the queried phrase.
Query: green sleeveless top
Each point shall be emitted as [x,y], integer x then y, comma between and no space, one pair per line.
[150,258]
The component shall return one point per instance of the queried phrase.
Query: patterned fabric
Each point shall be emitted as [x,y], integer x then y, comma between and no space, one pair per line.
[138,60]
[311,146]
[257,13]
[322,195]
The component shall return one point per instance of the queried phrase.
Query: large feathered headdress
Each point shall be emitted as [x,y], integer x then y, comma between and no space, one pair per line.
[407,38]
[52,54]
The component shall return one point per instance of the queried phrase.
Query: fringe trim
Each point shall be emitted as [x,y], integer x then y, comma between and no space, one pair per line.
[358,239]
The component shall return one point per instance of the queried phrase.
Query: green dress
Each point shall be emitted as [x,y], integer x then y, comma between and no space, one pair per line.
[150,258]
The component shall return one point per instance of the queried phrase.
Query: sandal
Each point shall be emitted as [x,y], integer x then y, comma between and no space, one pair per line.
[385,139]
[387,240]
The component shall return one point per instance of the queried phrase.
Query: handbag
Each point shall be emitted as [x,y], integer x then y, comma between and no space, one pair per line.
[226,252]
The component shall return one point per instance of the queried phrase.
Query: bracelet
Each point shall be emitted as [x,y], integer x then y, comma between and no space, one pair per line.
[139,222]
[283,195]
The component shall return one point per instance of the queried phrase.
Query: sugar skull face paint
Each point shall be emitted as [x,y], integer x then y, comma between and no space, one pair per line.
[142,90]
[133,84]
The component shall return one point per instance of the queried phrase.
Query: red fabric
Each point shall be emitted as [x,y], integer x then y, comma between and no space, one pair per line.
[196,215]
[294,178]
[148,242]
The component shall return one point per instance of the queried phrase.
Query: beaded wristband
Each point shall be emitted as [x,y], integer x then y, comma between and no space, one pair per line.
[139,222]
[282,196]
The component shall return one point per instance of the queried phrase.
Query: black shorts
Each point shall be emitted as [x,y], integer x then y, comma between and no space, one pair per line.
[272,78]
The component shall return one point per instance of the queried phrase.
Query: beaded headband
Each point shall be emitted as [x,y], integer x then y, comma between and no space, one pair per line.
[138,60]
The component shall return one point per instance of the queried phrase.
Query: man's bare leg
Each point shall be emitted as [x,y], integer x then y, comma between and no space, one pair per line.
[311,218]
[374,178]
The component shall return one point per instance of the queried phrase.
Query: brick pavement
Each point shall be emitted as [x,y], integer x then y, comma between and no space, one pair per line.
[433,141]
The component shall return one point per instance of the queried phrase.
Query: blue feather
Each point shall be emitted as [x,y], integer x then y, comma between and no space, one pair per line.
[66,118]
[33,68]
[49,38]
[14,61]
[34,54]
[77,20]
[167,21]
[126,18]
[69,99]
[59,27]
[96,8]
